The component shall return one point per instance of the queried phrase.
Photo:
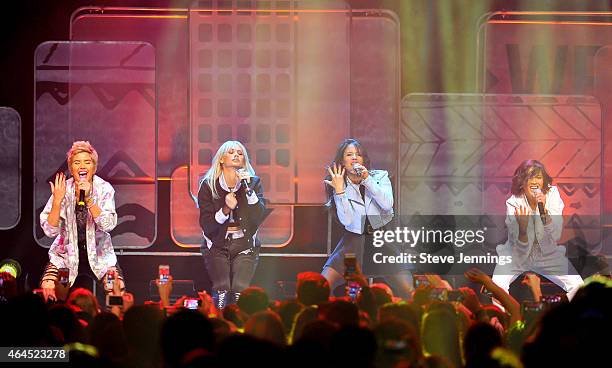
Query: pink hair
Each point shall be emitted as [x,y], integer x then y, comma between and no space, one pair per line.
[82,146]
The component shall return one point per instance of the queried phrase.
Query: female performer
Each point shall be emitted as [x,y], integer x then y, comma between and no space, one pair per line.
[533,234]
[80,214]
[363,201]
[232,207]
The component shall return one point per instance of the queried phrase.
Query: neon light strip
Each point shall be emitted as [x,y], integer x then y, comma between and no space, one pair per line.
[198,254]
[550,22]
[550,13]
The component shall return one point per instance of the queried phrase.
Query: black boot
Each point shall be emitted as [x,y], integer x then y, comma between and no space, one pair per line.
[220,299]
[236,296]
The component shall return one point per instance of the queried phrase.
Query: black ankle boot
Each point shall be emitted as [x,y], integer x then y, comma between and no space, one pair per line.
[236,296]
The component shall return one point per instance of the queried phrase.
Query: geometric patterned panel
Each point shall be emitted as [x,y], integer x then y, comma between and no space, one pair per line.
[275,232]
[166,30]
[375,86]
[245,65]
[10,168]
[602,72]
[459,151]
[241,87]
[103,92]
[330,78]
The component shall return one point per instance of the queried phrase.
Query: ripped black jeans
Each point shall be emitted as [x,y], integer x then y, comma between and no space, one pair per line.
[230,267]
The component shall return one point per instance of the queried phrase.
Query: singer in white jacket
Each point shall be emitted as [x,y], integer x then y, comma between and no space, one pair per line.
[362,201]
[80,226]
[533,234]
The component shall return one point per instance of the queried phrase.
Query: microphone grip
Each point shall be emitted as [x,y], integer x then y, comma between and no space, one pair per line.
[542,213]
[246,187]
[81,197]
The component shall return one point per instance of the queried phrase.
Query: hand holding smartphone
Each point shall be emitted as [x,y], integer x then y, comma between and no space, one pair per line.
[192,303]
[164,273]
[114,300]
[350,269]
[350,265]
[64,276]
[110,279]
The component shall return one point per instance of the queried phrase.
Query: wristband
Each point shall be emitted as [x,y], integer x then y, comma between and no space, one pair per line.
[340,193]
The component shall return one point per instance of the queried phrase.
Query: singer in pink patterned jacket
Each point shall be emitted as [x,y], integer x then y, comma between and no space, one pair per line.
[533,234]
[80,214]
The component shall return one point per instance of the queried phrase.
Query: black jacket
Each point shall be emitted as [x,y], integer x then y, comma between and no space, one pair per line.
[249,215]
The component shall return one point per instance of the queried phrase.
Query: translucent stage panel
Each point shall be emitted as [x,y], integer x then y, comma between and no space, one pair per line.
[166,30]
[440,144]
[279,82]
[603,92]
[10,168]
[526,52]
[459,153]
[375,86]
[103,92]
[275,232]
[523,52]
[312,73]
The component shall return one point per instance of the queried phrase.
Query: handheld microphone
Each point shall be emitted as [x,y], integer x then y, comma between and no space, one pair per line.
[245,182]
[358,168]
[81,201]
[537,190]
[81,198]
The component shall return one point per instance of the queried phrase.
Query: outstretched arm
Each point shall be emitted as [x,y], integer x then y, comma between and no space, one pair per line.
[506,300]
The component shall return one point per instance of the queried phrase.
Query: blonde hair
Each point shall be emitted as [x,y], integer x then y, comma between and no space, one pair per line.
[216,168]
[79,147]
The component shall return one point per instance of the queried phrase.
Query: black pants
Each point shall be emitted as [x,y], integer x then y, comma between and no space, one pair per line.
[228,267]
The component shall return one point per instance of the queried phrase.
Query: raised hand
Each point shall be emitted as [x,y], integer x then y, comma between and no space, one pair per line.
[165,289]
[58,187]
[540,197]
[231,201]
[128,301]
[337,178]
[470,300]
[48,288]
[208,305]
[243,174]
[476,275]
[361,170]
[522,218]
[86,186]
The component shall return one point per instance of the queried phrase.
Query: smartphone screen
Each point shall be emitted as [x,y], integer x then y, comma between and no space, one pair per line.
[110,279]
[350,264]
[420,281]
[439,294]
[353,290]
[164,273]
[192,303]
[114,301]
[64,274]
[454,296]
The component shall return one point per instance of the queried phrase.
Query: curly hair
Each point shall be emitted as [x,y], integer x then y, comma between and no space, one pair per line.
[527,170]
[79,147]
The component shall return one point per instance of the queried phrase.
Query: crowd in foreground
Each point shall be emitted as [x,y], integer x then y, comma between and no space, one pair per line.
[437,327]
